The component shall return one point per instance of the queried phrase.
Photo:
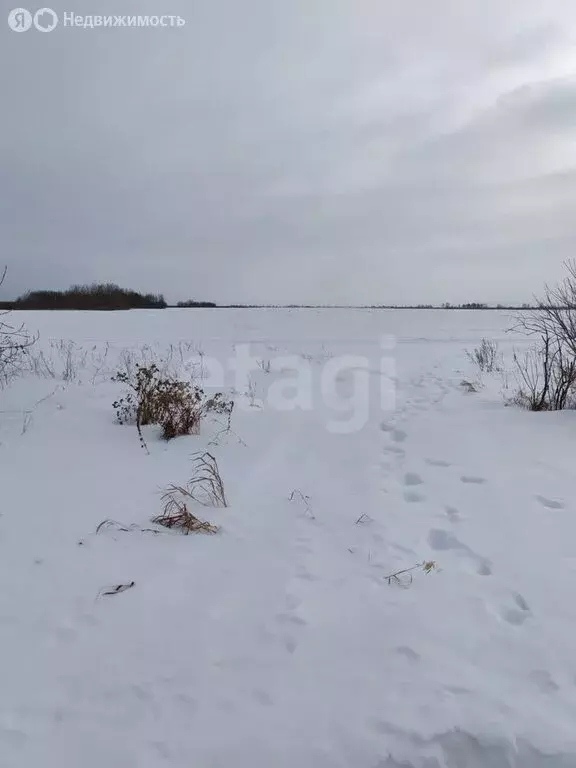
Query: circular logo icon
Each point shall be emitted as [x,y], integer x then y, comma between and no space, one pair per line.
[45,20]
[19,20]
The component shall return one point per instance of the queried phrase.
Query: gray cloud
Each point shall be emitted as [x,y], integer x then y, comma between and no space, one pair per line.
[327,150]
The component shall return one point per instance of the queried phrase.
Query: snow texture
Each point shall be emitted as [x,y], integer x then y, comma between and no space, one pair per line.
[280,641]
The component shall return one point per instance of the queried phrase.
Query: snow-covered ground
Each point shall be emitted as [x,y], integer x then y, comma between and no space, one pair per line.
[280,642]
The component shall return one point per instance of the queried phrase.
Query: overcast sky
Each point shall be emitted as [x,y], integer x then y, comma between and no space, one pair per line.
[346,151]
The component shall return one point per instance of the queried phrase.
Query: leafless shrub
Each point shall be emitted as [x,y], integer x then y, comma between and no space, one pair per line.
[177,406]
[127,364]
[320,357]
[226,431]
[469,386]
[252,393]
[265,365]
[555,313]
[532,373]
[15,343]
[547,373]
[486,356]
[65,360]
[201,371]
[325,355]
[546,376]
[70,370]
[562,380]
[41,366]
[181,351]
[99,361]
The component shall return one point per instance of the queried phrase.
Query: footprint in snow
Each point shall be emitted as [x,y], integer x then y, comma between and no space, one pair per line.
[141,693]
[289,625]
[457,690]
[484,568]
[412,478]
[395,450]
[412,497]
[263,698]
[290,619]
[472,480]
[444,541]
[305,575]
[453,514]
[518,615]
[441,541]
[227,706]
[521,603]
[438,463]
[408,653]
[543,680]
[399,436]
[292,601]
[550,503]
[186,701]
[162,749]
[290,644]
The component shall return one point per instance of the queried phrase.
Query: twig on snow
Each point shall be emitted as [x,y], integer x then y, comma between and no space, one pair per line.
[116,590]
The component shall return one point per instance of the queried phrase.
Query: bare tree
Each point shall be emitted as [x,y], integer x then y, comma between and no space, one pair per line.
[555,312]
[547,374]
[14,343]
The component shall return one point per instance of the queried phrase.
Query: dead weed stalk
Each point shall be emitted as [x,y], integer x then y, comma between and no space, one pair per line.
[206,486]
[175,514]
[404,578]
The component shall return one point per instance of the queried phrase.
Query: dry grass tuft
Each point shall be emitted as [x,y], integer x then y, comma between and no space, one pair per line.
[206,486]
[175,514]
[116,526]
[486,357]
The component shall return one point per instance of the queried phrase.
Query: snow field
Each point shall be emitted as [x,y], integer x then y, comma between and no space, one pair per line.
[280,641]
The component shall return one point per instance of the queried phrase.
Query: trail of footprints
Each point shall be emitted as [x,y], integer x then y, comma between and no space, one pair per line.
[517,611]
[286,627]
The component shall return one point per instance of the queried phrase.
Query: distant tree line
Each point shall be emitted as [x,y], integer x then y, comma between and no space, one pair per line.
[98,296]
[478,305]
[196,304]
[446,305]
[108,296]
